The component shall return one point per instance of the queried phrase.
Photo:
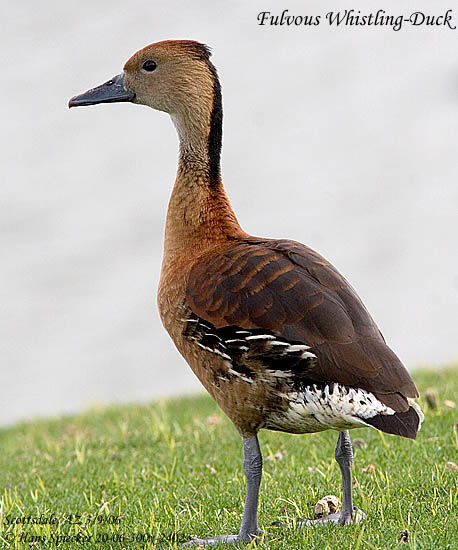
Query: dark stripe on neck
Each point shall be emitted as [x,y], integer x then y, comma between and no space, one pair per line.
[216,129]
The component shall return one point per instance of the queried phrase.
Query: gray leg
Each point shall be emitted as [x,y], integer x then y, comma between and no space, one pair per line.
[252,466]
[344,457]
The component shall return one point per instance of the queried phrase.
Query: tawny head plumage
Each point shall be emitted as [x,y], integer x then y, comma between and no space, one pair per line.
[172,76]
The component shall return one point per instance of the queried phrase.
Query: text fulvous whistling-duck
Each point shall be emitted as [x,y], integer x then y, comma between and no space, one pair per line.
[272,330]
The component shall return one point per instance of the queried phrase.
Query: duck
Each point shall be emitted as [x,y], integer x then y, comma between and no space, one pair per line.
[275,334]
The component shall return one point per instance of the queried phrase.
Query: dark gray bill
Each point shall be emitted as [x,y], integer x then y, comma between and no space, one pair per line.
[112,91]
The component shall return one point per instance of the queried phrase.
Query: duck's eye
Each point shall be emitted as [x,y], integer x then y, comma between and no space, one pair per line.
[149,66]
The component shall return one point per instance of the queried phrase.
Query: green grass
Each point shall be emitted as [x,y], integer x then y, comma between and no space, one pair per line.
[168,470]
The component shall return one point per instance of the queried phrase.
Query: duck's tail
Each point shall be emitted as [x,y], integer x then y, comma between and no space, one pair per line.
[405,424]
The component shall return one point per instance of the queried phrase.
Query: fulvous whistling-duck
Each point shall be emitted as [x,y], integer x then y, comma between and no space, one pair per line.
[272,330]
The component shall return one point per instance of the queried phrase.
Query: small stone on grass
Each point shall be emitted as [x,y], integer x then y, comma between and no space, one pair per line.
[430,397]
[359,443]
[213,420]
[330,504]
[279,455]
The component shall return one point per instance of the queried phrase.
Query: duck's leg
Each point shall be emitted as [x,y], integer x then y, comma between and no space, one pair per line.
[344,456]
[252,465]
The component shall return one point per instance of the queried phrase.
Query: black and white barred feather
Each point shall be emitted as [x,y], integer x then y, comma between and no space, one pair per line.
[259,356]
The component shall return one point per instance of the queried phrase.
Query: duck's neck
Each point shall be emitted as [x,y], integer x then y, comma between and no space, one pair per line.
[199,215]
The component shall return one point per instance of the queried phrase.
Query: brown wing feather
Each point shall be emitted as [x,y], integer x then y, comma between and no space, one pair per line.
[287,288]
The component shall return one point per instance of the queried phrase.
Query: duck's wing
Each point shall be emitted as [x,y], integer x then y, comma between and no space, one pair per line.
[286,291]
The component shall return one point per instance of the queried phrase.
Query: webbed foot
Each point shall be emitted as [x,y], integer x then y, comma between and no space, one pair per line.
[222,539]
[341,518]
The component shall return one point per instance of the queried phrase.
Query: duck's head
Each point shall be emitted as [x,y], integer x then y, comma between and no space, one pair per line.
[166,76]
[175,76]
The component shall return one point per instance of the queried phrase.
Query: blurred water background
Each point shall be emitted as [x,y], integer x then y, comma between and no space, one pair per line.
[344,139]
